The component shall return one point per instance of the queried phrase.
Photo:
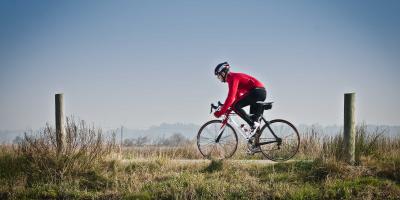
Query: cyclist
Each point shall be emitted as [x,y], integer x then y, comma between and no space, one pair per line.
[244,90]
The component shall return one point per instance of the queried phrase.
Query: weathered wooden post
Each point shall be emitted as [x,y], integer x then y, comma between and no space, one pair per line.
[349,129]
[60,132]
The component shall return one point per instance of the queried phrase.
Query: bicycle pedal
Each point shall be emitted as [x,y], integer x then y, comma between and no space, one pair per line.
[253,151]
[249,152]
[257,151]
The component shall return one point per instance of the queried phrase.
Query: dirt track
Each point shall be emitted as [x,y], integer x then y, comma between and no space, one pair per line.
[199,161]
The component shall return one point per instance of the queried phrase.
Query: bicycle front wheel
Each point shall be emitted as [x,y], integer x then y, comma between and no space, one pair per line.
[279,140]
[209,145]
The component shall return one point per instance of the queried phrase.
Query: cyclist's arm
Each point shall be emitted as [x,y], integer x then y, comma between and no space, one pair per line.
[231,95]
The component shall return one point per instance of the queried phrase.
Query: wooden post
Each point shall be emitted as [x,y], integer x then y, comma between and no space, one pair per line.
[60,134]
[349,129]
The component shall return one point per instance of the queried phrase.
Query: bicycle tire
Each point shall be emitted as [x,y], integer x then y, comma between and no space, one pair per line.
[208,156]
[270,156]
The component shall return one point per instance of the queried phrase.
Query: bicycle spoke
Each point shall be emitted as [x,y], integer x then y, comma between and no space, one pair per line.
[268,139]
[209,143]
[274,149]
[215,131]
[210,133]
[226,143]
[293,139]
[207,139]
[223,150]
[287,136]
[225,137]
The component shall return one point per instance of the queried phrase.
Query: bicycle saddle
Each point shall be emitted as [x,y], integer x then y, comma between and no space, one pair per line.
[266,105]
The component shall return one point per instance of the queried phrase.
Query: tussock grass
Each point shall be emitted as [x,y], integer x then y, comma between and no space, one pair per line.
[84,148]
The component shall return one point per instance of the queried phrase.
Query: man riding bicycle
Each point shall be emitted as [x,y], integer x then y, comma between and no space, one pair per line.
[244,90]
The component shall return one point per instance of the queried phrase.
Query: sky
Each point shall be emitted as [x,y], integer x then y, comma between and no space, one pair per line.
[143,63]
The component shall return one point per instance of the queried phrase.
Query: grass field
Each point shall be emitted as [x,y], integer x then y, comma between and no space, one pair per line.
[91,167]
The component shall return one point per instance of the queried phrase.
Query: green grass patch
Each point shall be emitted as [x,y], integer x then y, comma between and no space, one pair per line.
[364,187]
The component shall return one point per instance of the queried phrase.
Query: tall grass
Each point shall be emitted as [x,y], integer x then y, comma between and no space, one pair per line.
[86,170]
[185,151]
[375,143]
[84,148]
[314,145]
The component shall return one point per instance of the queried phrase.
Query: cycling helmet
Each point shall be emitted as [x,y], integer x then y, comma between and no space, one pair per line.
[222,67]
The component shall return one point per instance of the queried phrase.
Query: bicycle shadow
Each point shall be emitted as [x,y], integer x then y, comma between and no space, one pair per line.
[215,165]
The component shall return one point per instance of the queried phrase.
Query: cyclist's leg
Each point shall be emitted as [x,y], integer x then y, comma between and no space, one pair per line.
[256,94]
[238,106]
[259,94]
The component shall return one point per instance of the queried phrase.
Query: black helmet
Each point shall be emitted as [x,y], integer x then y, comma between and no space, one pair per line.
[222,67]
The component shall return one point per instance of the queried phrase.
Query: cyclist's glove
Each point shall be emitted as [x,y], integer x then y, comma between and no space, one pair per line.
[217,114]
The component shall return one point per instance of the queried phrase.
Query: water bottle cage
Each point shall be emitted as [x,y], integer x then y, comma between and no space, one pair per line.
[243,128]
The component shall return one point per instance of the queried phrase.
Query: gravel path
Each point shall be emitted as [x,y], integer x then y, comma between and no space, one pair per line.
[199,161]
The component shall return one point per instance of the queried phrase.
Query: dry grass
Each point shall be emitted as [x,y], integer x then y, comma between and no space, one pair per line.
[31,170]
[185,151]
[313,145]
[84,148]
[375,143]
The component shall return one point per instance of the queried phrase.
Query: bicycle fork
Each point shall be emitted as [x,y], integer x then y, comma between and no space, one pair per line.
[221,131]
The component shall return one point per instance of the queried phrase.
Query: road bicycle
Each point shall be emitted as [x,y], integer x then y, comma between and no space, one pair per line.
[278,140]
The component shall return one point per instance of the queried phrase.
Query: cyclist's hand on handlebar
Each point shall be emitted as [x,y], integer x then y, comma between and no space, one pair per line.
[217,114]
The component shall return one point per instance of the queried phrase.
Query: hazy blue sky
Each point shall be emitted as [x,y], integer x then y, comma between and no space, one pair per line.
[141,63]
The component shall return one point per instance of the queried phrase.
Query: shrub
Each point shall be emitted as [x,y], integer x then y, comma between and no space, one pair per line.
[84,148]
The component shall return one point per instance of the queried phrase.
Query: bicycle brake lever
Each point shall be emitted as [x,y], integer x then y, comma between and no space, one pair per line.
[213,107]
[220,104]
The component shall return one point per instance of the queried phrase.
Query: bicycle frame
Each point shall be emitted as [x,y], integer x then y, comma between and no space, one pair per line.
[246,135]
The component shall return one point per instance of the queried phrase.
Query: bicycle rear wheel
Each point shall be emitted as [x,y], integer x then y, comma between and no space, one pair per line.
[282,147]
[207,142]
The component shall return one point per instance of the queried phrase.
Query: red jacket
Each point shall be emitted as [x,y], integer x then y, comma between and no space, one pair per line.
[239,84]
